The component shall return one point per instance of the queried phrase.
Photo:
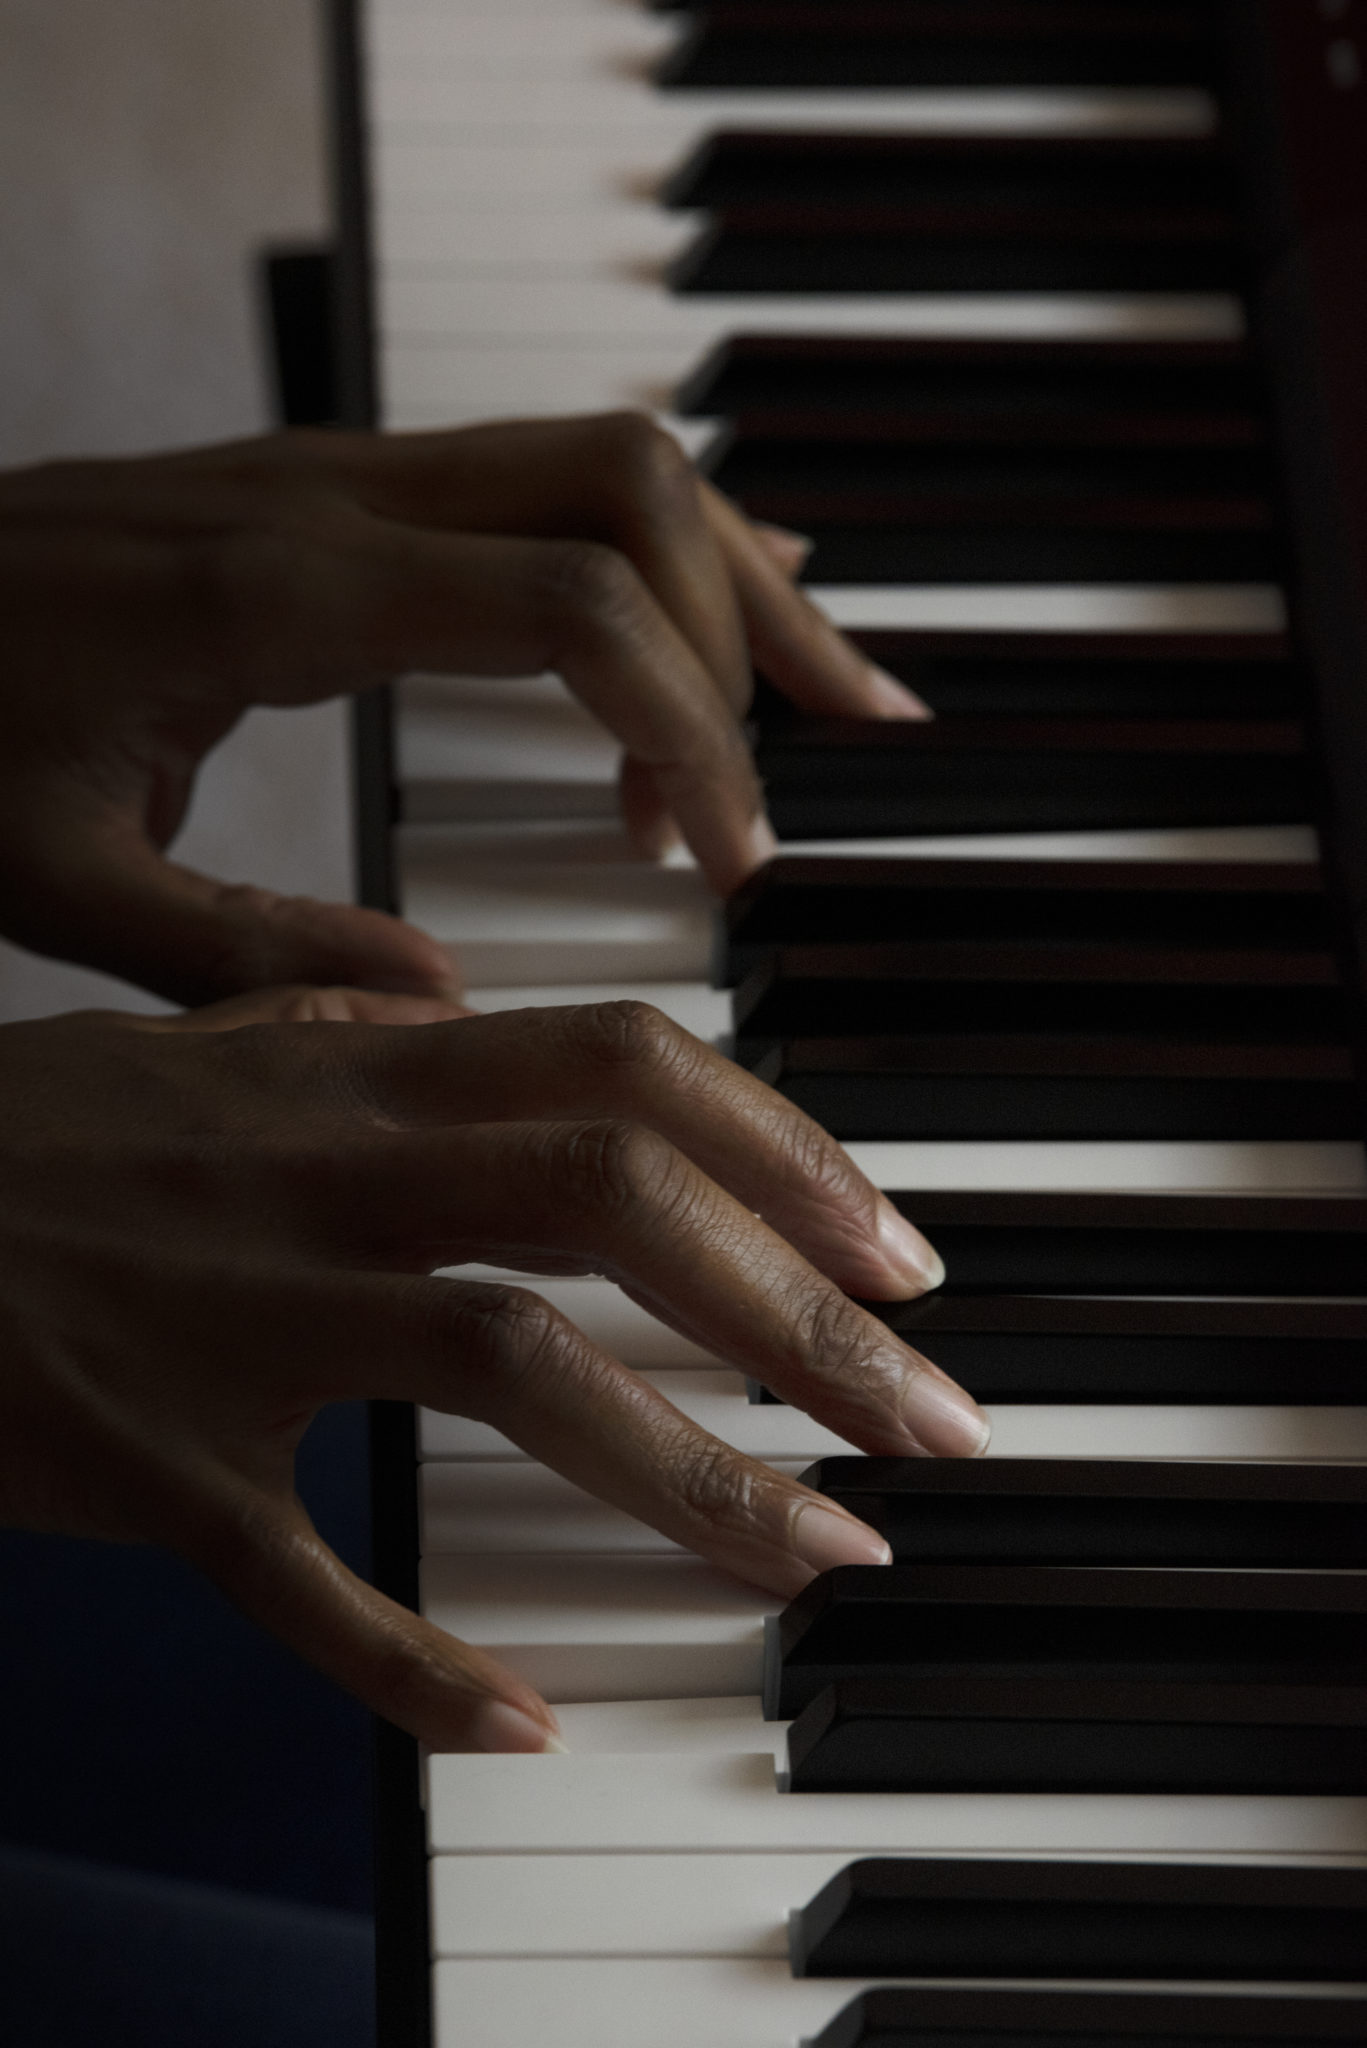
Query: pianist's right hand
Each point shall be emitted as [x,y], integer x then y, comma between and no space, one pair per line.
[212,1225]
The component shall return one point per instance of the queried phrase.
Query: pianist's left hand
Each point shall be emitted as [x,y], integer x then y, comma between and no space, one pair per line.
[206,1232]
[146,605]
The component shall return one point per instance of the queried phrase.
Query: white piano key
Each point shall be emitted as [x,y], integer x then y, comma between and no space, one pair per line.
[631,1906]
[580,2003]
[716,1401]
[1056,608]
[507,1508]
[611,238]
[725,1727]
[657,1805]
[703,1010]
[605,1628]
[480,41]
[555,903]
[680,2002]
[1106,1430]
[621,1905]
[429,306]
[1278,1166]
[420,110]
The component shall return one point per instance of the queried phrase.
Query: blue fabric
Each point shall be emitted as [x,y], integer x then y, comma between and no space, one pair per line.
[98,1958]
[146,1725]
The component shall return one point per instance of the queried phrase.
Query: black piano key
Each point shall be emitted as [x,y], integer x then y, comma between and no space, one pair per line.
[973,2016]
[831,778]
[1078,675]
[1042,1243]
[1090,179]
[938,546]
[1139,991]
[821,248]
[1106,1511]
[893,508]
[1049,1349]
[1066,1087]
[802,900]
[1042,1736]
[899,1621]
[924,1917]
[754,44]
[958,387]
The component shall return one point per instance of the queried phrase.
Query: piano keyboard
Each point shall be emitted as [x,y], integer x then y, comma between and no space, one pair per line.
[961,292]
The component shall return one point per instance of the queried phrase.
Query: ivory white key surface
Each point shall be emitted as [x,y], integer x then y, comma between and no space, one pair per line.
[605,1628]
[676,2003]
[566,1905]
[727,1726]
[690,1904]
[581,2003]
[718,1403]
[551,1805]
[510,1507]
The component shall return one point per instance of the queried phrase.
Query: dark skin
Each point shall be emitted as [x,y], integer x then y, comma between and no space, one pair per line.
[212,1225]
[147,605]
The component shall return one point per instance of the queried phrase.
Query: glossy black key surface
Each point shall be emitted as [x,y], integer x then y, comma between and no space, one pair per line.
[1066,1087]
[1043,1736]
[1093,180]
[915,1917]
[1106,1511]
[1203,392]
[1053,1349]
[1258,996]
[750,44]
[1079,675]
[831,778]
[816,246]
[971,2016]
[895,509]
[1141,1244]
[900,1621]
[801,900]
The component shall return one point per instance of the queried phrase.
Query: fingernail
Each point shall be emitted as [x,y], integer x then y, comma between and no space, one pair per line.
[894,699]
[914,1261]
[502,1729]
[793,550]
[762,843]
[823,1540]
[943,1418]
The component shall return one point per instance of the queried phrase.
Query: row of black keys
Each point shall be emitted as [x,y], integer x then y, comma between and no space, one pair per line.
[1042,999]
[979,462]
[924,2016]
[1083,1625]
[740,44]
[1067,1299]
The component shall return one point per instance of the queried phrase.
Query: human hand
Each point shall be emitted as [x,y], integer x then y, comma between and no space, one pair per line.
[146,605]
[206,1233]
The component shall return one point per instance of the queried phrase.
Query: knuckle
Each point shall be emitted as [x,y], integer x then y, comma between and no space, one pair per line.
[719,1488]
[614,1167]
[505,1339]
[645,461]
[629,1036]
[588,580]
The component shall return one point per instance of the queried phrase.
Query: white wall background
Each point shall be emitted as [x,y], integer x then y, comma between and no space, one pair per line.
[148,149]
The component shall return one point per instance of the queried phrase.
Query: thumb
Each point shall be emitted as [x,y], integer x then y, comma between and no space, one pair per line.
[122,906]
[270,1561]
